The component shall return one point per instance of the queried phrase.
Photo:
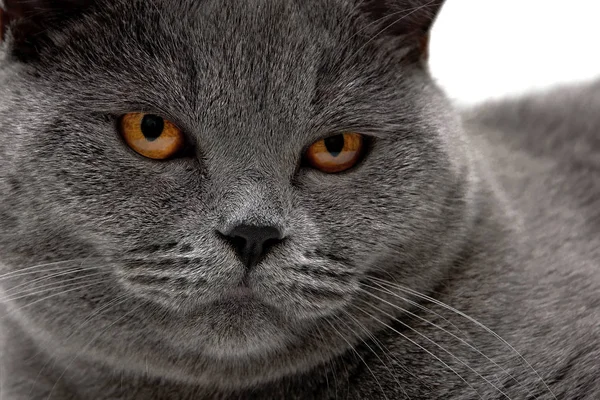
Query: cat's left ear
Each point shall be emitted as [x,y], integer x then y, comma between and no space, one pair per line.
[27,22]
[408,19]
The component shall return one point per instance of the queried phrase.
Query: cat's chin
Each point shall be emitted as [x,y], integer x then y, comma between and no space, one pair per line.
[237,326]
[237,323]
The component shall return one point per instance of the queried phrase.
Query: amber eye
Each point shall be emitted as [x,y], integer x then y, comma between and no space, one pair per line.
[336,153]
[151,136]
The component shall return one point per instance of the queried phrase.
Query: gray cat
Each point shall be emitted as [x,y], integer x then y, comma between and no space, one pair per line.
[271,199]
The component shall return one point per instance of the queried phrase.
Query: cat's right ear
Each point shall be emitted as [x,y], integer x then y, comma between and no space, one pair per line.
[25,24]
[409,20]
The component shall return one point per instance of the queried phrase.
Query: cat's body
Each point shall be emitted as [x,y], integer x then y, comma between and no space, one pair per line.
[494,214]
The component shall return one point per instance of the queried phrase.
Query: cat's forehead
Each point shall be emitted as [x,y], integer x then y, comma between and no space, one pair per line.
[215,39]
[261,55]
[255,71]
[224,69]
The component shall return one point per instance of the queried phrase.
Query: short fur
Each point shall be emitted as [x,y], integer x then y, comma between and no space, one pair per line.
[115,282]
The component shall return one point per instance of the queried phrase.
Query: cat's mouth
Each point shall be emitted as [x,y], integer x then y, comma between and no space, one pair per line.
[219,294]
[228,314]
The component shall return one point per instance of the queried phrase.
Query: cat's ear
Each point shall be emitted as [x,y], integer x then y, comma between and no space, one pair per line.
[26,23]
[408,19]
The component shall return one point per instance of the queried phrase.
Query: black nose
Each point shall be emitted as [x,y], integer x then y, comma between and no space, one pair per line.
[253,242]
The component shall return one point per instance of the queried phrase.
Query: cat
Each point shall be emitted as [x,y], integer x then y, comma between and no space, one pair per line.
[272,199]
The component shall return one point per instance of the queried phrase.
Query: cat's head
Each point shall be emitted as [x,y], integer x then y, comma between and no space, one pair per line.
[211,185]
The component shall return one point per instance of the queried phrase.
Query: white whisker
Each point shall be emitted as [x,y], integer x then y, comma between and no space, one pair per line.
[471,319]
[326,373]
[34,269]
[420,347]
[87,345]
[113,303]
[78,287]
[109,305]
[435,344]
[333,370]
[44,288]
[445,330]
[378,343]
[32,286]
[360,357]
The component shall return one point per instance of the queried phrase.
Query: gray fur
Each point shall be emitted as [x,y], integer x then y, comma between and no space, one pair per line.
[495,212]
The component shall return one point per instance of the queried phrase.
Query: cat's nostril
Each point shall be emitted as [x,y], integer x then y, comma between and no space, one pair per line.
[251,242]
[238,242]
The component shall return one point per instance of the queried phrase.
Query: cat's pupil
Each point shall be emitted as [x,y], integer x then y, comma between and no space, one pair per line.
[335,144]
[152,127]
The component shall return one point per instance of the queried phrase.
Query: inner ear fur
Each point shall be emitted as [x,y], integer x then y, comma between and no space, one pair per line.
[28,21]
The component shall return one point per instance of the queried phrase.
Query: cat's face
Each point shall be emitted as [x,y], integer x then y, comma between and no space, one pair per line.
[135,247]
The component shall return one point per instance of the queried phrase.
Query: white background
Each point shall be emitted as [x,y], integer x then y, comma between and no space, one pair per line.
[492,48]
